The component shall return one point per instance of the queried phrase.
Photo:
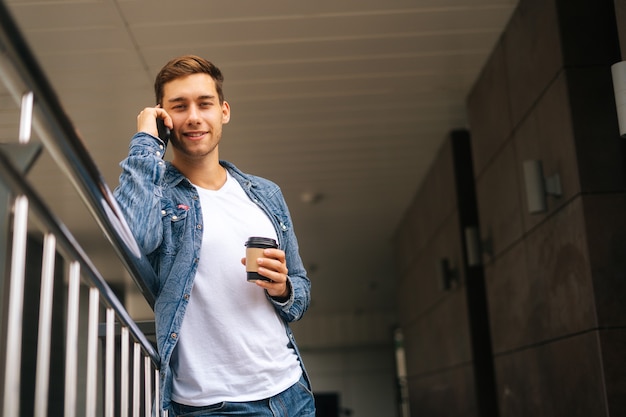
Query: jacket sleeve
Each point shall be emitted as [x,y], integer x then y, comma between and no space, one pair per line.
[294,308]
[139,191]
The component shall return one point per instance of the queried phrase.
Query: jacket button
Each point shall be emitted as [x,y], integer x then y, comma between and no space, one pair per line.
[174,217]
[163,212]
[186,296]
[199,226]
[174,336]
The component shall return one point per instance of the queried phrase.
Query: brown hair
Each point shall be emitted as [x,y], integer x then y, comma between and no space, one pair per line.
[187,65]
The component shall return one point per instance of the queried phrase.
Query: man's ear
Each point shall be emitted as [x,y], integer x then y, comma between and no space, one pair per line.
[225,112]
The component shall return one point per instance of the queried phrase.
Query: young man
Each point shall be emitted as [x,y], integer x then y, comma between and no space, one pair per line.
[225,344]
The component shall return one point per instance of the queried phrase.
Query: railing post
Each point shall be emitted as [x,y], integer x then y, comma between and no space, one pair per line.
[92,352]
[13,358]
[147,387]
[71,348]
[125,373]
[157,395]
[109,364]
[22,157]
[42,378]
[136,378]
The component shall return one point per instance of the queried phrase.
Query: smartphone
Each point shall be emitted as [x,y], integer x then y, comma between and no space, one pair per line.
[164,131]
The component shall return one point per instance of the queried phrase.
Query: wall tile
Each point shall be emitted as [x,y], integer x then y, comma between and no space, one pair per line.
[433,204]
[451,391]
[499,205]
[606,242]
[561,378]
[613,342]
[439,339]
[419,289]
[489,110]
[541,288]
[559,276]
[533,53]
[600,150]
[434,321]
[620,18]
[592,40]
[547,135]
[508,292]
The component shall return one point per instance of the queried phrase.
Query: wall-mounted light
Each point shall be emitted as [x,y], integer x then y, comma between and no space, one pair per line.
[448,275]
[539,187]
[618,72]
[475,247]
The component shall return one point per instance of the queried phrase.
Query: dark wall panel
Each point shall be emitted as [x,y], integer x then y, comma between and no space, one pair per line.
[556,280]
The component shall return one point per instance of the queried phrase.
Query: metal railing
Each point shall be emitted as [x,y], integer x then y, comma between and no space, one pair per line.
[121,366]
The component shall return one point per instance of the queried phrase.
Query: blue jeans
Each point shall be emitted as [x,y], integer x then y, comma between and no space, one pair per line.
[295,401]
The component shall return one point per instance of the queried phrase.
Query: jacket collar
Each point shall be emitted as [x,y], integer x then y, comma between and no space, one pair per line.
[173,177]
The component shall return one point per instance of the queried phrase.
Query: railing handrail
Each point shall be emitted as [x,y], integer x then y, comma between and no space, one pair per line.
[41,110]
[12,178]
[67,149]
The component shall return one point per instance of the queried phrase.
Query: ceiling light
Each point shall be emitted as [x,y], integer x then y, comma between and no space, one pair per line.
[311,197]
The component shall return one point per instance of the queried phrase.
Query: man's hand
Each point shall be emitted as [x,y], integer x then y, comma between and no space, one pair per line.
[274,267]
[146,120]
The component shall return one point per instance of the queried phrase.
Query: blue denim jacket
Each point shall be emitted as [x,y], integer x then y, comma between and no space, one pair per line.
[163,211]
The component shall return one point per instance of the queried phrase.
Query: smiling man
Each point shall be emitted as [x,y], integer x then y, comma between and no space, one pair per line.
[225,343]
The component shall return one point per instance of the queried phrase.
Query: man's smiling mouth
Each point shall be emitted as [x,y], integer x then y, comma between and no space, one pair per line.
[194,135]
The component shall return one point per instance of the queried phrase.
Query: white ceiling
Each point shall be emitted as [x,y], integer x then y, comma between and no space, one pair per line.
[348,99]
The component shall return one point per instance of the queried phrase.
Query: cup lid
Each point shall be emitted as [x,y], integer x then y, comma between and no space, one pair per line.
[261,241]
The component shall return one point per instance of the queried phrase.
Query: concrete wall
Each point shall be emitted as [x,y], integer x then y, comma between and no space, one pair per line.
[555,281]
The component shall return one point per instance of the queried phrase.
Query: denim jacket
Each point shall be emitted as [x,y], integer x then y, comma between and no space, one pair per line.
[163,211]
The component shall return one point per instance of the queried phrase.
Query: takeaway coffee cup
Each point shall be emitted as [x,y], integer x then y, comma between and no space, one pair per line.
[254,250]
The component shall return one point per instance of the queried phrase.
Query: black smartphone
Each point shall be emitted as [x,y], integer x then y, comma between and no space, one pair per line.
[164,131]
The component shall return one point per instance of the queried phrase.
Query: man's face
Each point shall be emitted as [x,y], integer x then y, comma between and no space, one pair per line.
[193,104]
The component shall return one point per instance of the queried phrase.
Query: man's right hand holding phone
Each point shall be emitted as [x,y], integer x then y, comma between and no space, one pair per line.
[148,120]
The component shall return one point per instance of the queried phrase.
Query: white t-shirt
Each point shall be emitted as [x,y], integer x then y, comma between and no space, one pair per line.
[233,344]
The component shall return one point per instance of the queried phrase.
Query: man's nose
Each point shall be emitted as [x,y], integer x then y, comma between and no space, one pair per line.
[194,114]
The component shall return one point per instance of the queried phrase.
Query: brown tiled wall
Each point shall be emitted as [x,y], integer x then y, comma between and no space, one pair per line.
[434,321]
[555,281]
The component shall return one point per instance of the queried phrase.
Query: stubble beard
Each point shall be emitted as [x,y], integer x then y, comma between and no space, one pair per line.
[192,154]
